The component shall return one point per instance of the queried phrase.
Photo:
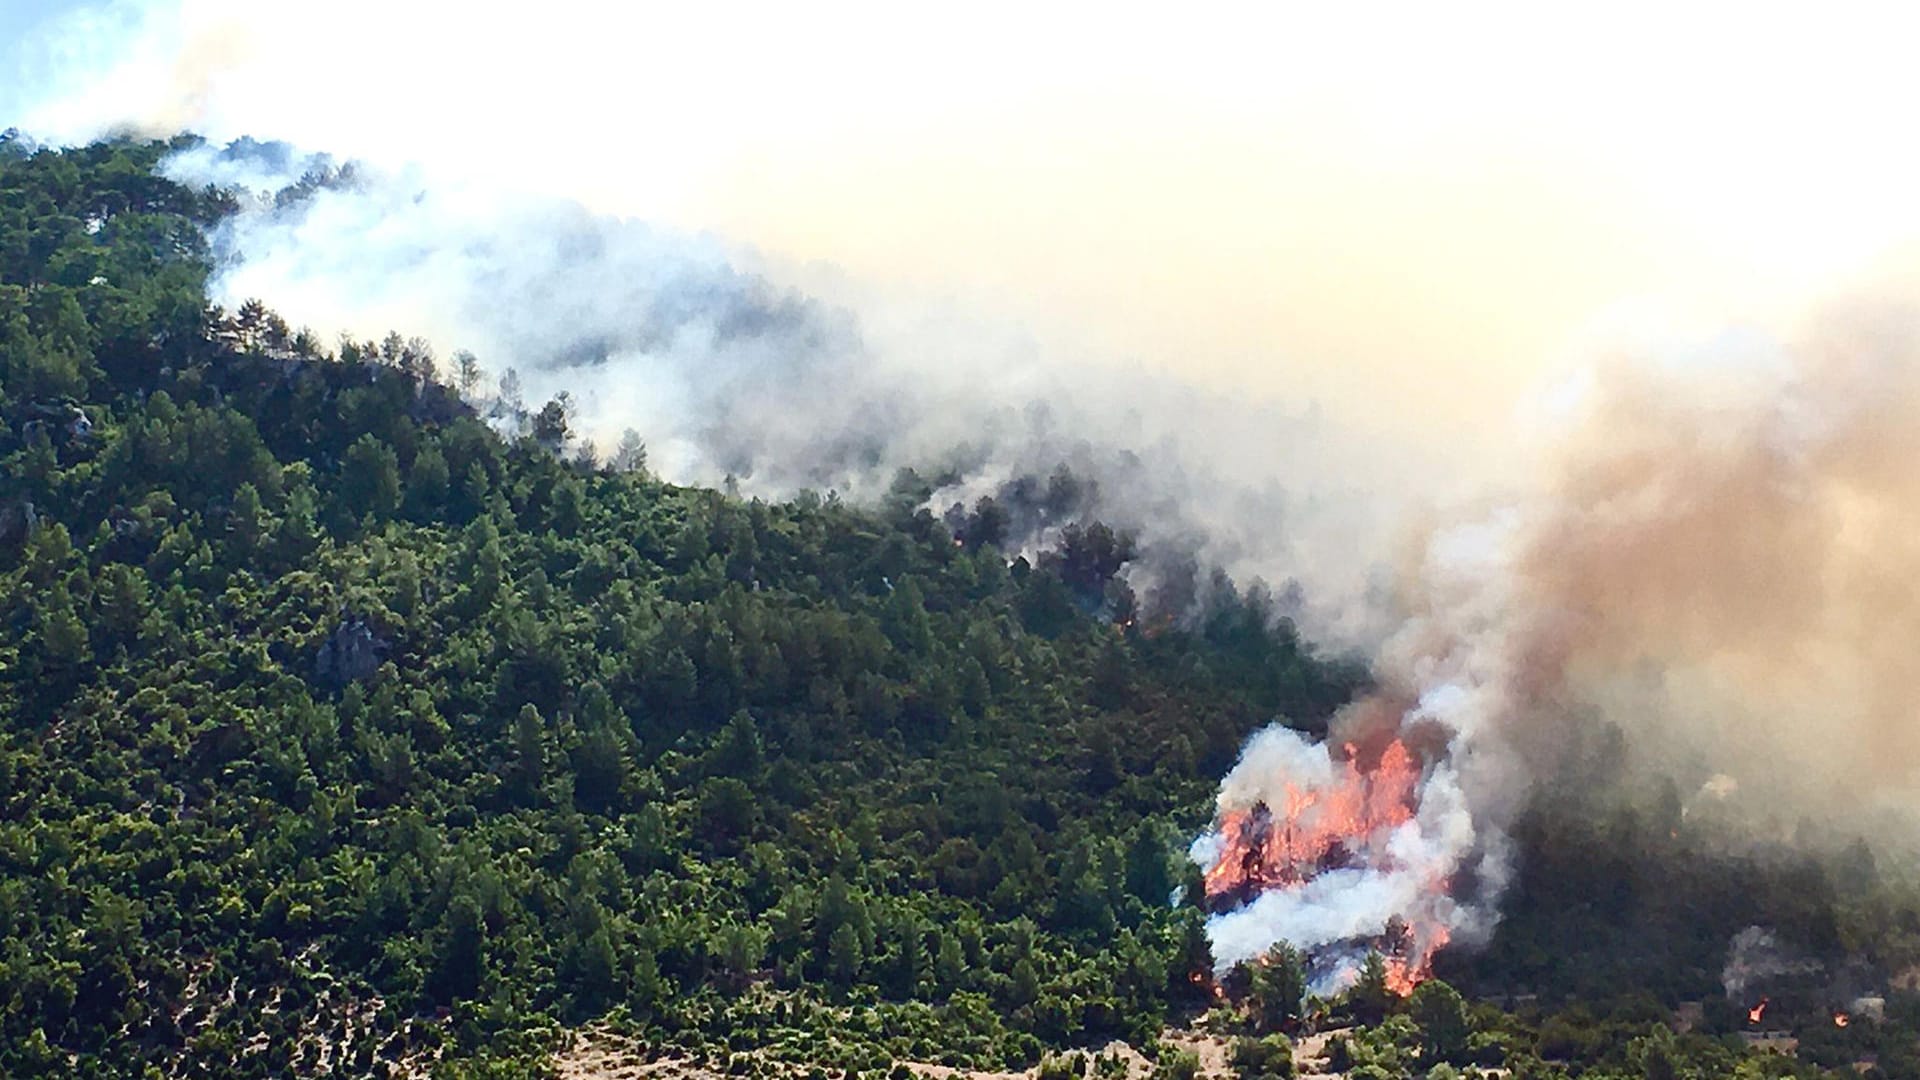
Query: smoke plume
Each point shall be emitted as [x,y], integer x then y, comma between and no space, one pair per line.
[1721,564]
[1755,957]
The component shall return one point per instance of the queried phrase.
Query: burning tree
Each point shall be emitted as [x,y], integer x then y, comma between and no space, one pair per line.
[1318,827]
[1341,849]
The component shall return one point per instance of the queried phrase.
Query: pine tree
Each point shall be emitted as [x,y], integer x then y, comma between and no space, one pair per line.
[461,965]
[631,454]
[1371,998]
[1278,987]
[529,753]
[63,636]
[427,484]
[467,374]
[370,478]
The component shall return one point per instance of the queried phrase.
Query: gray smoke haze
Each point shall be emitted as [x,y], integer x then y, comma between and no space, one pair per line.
[1725,565]
[727,374]
[1755,957]
[1718,558]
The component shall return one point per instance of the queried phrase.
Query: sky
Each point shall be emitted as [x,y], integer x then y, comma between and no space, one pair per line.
[19,22]
[1417,217]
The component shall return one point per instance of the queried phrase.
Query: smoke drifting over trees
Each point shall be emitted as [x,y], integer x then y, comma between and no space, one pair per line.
[1713,560]
[1717,561]
[725,374]
[1727,564]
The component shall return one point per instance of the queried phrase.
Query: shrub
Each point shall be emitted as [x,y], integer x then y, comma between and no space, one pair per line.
[1269,1058]
[1063,1066]
[1175,1064]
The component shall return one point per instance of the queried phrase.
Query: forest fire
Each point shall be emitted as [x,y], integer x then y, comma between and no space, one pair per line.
[1841,1019]
[1411,965]
[1754,1014]
[1329,817]
[1207,982]
[1316,828]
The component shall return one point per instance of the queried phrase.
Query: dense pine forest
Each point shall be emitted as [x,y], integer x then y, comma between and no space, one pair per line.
[354,721]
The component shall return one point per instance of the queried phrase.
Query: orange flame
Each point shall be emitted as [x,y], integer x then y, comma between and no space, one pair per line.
[1201,978]
[1322,828]
[1406,972]
[1841,1019]
[1402,977]
[1754,1014]
[1274,847]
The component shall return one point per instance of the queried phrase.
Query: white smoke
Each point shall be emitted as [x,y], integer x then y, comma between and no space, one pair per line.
[1443,686]
[1398,878]
[724,373]
[1756,957]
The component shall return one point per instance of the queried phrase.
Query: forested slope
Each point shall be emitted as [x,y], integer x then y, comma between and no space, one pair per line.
[342,728]
[319,692]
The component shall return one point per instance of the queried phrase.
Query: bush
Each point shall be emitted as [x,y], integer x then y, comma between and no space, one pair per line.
[1269,1058]
[1063,1066]
[1487,1049]
[1175,1064]
[1339,1054]
[1442,1016]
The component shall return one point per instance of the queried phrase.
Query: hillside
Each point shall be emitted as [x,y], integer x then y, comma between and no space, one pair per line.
[343,728]
[319,685]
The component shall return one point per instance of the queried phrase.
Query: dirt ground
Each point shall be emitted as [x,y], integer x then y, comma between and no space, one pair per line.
[599,1054]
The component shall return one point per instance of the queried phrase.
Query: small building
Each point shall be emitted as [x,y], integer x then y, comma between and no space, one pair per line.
[1778,1042]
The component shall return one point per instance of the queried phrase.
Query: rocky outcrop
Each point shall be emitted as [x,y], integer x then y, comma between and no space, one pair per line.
[352,652]
[16,523]
[63,420]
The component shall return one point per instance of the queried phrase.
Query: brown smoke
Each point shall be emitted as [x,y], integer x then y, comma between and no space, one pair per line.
[1722,561]
[193,79]
[1726,564]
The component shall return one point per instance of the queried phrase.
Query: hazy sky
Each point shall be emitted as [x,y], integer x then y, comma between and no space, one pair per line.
[1411,214]
[19,21]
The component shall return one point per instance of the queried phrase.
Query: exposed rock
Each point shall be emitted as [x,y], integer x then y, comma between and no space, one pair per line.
[16,522]
[63,420]
[352,652]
